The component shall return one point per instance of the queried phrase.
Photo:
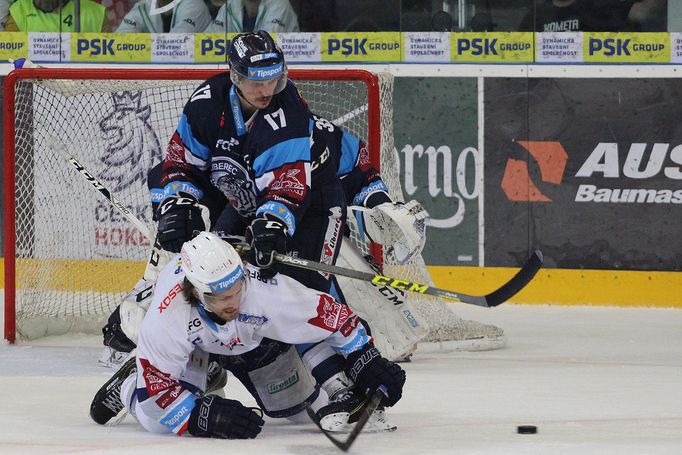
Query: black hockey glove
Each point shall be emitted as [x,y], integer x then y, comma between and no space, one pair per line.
[368,369]
[216,417]
[267,235]
[113,334]
[180,219]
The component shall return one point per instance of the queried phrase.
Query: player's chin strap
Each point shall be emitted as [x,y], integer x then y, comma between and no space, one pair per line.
[400,228]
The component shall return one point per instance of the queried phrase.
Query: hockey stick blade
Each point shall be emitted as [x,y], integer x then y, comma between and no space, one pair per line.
[500,295]
[518,281]
[345,444]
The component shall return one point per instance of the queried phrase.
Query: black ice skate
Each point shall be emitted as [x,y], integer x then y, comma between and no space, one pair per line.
[107,402]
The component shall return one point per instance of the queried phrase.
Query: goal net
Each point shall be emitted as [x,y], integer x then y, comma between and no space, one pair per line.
[70,257]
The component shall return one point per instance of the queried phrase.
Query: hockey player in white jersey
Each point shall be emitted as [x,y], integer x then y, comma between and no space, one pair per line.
[206,303]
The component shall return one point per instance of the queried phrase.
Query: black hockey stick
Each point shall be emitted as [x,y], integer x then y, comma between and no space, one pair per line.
[152,267]
[345,444]
[498,296]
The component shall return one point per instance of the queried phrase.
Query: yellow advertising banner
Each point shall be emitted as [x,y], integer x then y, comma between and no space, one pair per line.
[111,47]
[13,45]
[626,47]
[212,47]
[361,47]
[492,47]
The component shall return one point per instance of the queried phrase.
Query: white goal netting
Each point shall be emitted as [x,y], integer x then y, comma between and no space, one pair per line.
[76,256]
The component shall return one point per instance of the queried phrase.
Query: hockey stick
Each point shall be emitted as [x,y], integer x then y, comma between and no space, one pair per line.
[498,296]
[151,270]
[372,406]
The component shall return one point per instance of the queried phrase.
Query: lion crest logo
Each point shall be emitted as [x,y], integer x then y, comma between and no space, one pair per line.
[132,145]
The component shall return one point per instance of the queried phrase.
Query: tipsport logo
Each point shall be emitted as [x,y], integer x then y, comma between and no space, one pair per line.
[551,159]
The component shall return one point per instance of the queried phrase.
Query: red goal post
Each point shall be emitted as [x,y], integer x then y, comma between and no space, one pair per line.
[71,77]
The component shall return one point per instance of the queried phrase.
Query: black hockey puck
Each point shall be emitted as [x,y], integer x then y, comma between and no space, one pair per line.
[526,429]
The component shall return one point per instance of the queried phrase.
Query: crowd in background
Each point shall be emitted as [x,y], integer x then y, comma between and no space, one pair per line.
[189,16]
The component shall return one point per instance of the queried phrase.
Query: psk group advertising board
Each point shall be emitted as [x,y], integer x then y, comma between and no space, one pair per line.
[589,170]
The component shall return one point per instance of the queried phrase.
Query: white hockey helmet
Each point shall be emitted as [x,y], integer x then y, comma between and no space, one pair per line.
[211,264]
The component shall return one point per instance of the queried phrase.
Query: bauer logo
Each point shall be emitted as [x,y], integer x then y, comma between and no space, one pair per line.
[492,47]
[633,47]
[132,144]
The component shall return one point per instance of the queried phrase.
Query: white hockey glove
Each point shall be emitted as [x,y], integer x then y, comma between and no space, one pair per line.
[134,307]
[399,227]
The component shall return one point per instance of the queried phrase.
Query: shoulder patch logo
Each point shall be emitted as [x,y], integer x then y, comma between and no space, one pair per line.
[202,93]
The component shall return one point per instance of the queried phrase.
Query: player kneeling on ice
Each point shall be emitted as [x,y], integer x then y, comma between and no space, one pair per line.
[205,304]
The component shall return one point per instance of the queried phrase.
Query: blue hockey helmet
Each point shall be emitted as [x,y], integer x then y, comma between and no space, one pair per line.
[256,56]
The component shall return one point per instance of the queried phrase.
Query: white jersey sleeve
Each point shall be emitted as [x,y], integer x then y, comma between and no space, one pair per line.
[297,314]
[170,370]
[274,16]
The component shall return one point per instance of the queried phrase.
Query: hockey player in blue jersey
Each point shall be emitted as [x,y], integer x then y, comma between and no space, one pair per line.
[251,134]
[205,303]
[248,141]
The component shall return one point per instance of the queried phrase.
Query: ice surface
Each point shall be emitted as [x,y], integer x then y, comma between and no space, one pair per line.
[594,380]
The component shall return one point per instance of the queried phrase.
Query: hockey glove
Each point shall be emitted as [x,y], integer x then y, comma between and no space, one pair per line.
[114,336]
[399,227]
[267,236]
[368,369]
[216,417]
[180,217]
